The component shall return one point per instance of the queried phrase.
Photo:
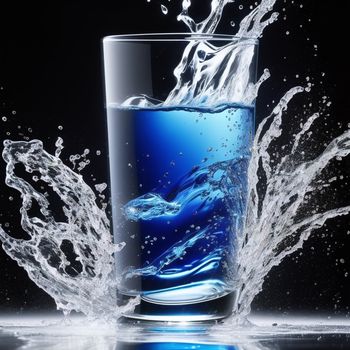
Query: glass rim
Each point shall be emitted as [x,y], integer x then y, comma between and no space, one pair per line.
[154,37]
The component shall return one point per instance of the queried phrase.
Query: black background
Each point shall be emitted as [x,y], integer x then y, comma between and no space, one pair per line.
[51,76]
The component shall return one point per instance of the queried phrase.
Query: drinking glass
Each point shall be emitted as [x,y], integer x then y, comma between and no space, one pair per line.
[178,176]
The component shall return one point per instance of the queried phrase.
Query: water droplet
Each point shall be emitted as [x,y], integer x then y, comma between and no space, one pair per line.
[100,187]
[60,127]
[232,23]
[164,9]
[4,119]
[240,7]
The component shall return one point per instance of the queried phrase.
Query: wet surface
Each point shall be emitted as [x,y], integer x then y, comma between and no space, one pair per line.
[10,341]
[80,334]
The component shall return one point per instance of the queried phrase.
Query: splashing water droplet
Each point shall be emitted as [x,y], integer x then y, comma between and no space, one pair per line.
[59,147]
[101,187]
[164,9]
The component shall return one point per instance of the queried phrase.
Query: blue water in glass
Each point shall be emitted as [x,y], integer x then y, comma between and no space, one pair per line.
[179,183]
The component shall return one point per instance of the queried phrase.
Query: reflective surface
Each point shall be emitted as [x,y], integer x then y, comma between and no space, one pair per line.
[269,333]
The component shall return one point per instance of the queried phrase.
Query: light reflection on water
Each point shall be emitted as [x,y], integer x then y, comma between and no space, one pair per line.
[267,333]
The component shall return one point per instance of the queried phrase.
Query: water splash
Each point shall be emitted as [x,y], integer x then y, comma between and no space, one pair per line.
[148,207]
[83,278]
[210,75]
[72,260]
[275,227]
[199,190]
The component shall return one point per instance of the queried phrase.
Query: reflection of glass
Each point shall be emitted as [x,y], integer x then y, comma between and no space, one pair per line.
[33,333]
[178,181]
[173,346]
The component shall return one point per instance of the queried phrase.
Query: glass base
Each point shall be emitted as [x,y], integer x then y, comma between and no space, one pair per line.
[210,310]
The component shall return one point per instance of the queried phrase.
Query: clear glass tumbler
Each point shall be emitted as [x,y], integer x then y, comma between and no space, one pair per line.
[179,148]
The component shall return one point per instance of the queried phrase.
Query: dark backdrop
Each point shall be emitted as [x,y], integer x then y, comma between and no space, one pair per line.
[50,76]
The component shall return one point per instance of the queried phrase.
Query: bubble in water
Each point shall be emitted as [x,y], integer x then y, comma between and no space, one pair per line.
[4,119]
